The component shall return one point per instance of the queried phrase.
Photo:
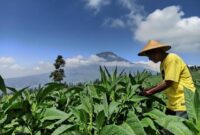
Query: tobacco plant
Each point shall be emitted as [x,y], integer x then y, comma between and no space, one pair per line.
[111,106]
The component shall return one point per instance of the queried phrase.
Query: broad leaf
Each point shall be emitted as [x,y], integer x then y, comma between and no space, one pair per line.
[133,124]
[147,122]
[100,119]
[2,85]
[113,106]
[172,123]
[43,93]
[114,130]
[55,114]
[61,129]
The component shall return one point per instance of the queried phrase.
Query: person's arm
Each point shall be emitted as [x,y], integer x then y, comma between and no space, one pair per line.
[158,88]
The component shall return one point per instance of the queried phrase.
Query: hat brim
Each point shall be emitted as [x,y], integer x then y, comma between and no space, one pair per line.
[164,48]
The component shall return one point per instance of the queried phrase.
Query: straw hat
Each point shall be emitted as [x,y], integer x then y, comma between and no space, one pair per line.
[151,45]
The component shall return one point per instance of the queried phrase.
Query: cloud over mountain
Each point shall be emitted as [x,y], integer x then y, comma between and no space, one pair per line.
[77,69]
[10,69]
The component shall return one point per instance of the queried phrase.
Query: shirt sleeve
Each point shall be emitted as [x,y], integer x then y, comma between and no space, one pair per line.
[172,70]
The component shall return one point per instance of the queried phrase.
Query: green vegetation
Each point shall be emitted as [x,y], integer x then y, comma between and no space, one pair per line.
[196,76]
[111,106]
[154,79]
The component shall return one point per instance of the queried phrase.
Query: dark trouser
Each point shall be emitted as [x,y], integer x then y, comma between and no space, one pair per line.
[182,114]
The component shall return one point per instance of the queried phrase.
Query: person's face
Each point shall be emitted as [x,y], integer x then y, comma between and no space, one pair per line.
[153,55]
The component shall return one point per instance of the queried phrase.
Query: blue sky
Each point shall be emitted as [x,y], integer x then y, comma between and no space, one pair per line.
[34,32]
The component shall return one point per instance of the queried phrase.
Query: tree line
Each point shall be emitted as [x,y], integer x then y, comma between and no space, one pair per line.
[194,68]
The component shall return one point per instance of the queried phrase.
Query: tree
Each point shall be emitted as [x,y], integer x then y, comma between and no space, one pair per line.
[58,74]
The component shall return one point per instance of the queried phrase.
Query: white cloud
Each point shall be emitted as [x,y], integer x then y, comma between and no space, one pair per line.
[37,68]
[16,67]
[16,70]
[150,65]
[131,19]
[10,69]
[116,63]
[6,60]
[97,4]
[8,66]
[43,67]
[132,6]
[114,23]
[79,60]
[169,26]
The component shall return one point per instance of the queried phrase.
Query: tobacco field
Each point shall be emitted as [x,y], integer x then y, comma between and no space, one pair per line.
[110,106]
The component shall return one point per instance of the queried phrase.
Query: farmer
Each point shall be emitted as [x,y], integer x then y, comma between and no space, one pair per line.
[175,74]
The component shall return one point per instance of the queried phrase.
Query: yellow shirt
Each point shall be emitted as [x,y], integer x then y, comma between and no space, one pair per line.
[174,68]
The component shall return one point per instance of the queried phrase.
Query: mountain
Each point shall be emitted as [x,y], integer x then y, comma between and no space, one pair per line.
[82,73]
[110,56]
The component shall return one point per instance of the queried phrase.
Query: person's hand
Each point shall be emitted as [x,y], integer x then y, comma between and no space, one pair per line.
[156,89]
[145,92]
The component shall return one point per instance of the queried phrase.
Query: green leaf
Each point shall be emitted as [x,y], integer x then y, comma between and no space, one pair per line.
[133,88]
[189,100]
[12,89]
[172,123]
[100,89]
[3,118]
[103,75]
[105,105]
[137,98]
[122,72]
[55,114]
[132,79]
[197,106]
[86,104]
[22,130]
[72,133]
[159,100]
[50,127]
[13,103]
[114,130]
[133,124]
[38,133]
[81,115]
[155,114]
[43,93]
[114,75]
[98,108]
[107,73]
[100,120]
[2,85]
[147,122]
[75,112]
[75,88]
[13,123]
[113,106]
[17,94]
[192,126]
[61,129]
